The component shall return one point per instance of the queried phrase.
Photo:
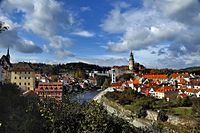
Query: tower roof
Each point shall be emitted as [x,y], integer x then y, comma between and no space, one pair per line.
[131,55]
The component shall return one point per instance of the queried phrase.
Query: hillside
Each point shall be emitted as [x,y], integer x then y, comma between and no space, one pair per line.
[195,70]
[68,67]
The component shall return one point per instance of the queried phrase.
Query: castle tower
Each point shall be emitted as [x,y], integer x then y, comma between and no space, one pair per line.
[131,61]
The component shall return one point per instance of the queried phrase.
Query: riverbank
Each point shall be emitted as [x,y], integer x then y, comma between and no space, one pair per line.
[148,122]
[119,111]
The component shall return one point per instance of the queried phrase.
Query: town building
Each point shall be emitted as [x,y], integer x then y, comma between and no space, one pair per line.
[166,92]
[5,67]
[50,89]
[23,75]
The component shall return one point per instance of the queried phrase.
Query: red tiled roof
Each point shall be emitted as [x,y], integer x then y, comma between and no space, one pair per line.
[192,90]
[175,75]
[183,95]
[155,76]
[134,81]
[165,89]
[182,81]
[195,82]
[117,85]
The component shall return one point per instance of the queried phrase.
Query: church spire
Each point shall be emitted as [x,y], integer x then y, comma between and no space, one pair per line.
[8,53]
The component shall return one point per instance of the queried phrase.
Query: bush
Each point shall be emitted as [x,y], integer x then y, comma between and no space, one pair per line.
[141,112]
[162,116]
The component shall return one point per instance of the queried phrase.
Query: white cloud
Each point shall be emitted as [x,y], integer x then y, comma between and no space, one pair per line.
[45,18]
[11,39]
[84,33]
[172,23]
[63,54]
[105,62]
[85,8]
[59,42]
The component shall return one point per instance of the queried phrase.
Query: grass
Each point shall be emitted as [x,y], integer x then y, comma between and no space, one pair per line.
[181,111]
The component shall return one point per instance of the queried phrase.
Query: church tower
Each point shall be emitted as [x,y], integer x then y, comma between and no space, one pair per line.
[8,54]
[131,61]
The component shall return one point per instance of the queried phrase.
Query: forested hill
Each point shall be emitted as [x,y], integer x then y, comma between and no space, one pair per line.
[195,70]
[84,66]
[68,67]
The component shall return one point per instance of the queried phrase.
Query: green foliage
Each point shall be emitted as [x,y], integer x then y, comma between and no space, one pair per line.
[79,73]
[21,114]
[69,68]
[106,84]
[18,114]
[182,111]
[101,80]
[196,106]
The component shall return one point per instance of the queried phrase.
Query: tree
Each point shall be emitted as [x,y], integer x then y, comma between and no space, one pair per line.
[162,116]
[19,114]
[196,106]
[106,84]
[141,112]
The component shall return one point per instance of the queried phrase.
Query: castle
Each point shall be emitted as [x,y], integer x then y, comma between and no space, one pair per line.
[131,68]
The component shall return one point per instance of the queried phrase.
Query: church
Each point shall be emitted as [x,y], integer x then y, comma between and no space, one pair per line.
[5,67]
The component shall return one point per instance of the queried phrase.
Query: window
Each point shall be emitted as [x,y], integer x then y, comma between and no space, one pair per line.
[24,83]
[28,77]
[15,72]
[28,88]
[19,77]
[28,72]
[19,83]
[25,72]
[24,77]
[28,83]
[15,77]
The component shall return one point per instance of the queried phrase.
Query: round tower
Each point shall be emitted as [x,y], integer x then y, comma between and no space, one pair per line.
[131,61]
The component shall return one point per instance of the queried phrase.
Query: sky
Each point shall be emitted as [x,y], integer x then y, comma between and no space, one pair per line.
[161,33]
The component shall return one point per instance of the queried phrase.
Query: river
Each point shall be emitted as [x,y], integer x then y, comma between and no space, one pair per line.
[86,96]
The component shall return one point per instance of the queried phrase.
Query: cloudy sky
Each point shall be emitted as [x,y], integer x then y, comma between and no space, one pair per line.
[161,33]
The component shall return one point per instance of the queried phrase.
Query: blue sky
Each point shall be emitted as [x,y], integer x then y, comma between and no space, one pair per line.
[161,33]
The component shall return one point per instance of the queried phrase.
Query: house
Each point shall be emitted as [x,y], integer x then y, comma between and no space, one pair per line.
[117,85]
[133,82]
[166,92]
[23,75]
[191,92]
[195,83]
[50,89]
[179,75]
